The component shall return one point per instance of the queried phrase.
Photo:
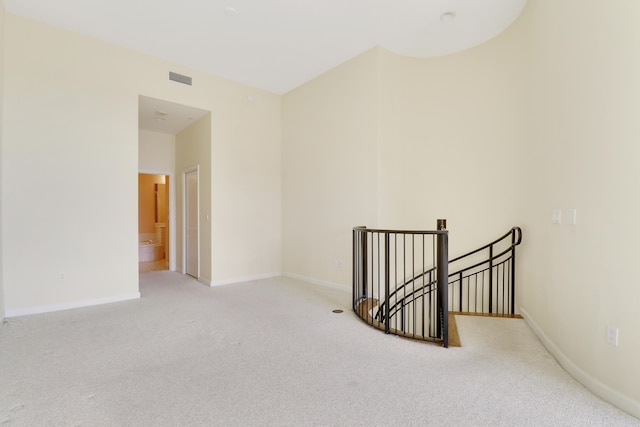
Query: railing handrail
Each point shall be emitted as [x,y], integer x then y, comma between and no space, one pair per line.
[385,231]
[513,230]
[494,257]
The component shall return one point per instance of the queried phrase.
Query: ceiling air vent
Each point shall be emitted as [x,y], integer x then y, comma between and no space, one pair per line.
[179,78]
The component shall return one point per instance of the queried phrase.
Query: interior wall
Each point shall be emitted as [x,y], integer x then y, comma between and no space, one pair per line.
[396,142]
[583,154]
[156,152]
[330,137]
[193,148]
[246,188]
[82,152]
[84,149]
[2,309]
[450,141]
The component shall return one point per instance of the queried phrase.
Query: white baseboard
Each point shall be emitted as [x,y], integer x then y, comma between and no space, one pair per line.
[318,282]
[66,306]
[601,390]
[244,279]
[205,281]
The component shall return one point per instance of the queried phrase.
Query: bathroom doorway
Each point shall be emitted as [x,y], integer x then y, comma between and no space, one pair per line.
[153,222]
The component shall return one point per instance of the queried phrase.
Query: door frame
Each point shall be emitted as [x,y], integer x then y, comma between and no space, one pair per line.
[172,212]
[185,172]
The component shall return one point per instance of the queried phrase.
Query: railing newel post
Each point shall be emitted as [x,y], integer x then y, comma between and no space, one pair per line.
[364,262]
[354,267]
[443,279]
[513,271]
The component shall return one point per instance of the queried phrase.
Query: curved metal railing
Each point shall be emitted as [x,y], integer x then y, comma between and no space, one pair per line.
[483,281]
[384,258]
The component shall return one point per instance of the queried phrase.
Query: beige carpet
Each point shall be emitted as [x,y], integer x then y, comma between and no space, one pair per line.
[272,353]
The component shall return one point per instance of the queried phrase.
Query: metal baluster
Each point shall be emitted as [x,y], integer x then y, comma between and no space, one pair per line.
[386,282]
[491,279]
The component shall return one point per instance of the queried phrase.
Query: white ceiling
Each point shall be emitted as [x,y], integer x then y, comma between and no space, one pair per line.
[166,117]
[276,45]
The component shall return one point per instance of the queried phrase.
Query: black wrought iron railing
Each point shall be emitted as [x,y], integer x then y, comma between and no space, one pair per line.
[402,284]
[384,258]
[483,280]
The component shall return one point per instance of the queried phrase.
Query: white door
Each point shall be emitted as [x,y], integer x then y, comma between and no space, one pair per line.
[191,217]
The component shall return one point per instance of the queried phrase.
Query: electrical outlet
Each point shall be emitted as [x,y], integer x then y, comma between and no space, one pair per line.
[61,276]
[612,335]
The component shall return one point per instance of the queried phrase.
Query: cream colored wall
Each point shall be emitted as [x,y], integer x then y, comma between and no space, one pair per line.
[71,144]
[2,310]
[246,187]
[193,149]
[330,138]
[69,196]
[449,142]
[156,152]
[583,152]
[396,142]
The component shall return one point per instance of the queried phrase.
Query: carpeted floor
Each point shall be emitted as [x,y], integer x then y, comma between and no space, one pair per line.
[272,353]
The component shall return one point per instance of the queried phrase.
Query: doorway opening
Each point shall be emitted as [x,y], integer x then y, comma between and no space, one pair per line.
[153,222]
[175,139]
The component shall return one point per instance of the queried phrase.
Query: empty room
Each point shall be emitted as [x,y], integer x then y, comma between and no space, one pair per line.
[274,132]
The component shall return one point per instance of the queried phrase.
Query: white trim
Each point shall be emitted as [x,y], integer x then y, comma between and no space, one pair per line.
[244,279]
[318,281]
[596,387]
[67,306]
[204,281]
